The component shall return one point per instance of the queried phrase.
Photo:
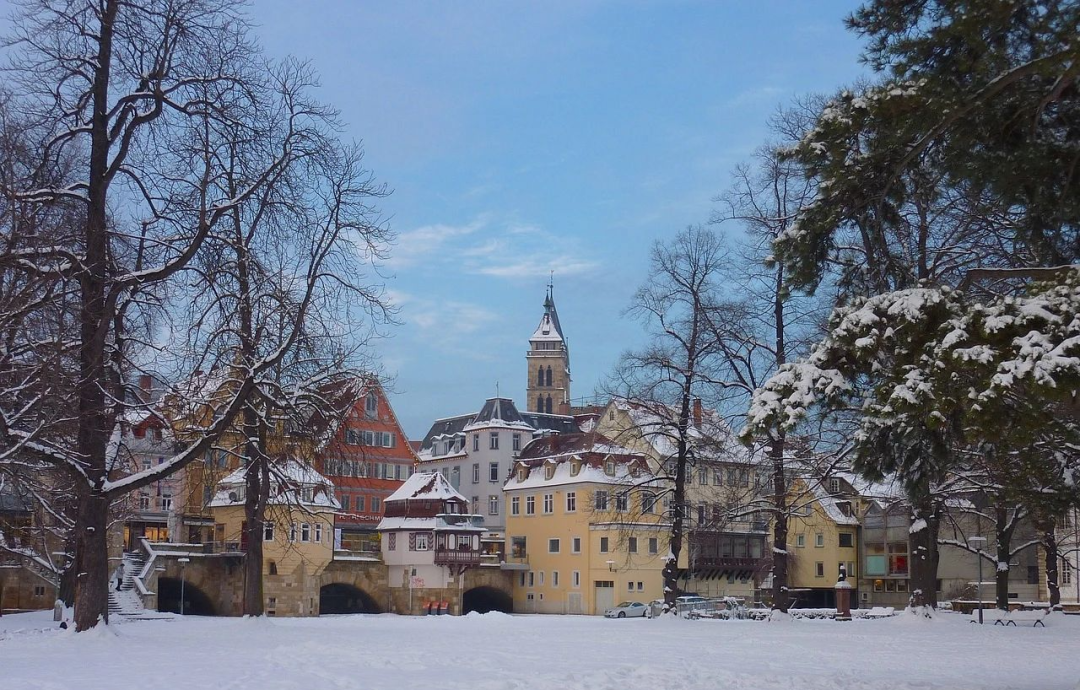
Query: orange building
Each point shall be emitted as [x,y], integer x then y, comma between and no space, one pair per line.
[368,459]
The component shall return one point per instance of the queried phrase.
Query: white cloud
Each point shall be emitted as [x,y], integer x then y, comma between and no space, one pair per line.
[415,245]
[533,268]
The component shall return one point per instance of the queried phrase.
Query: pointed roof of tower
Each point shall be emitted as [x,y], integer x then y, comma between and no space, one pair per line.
[549,328]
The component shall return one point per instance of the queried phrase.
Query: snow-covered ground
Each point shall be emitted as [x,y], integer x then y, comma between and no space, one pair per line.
[496,651]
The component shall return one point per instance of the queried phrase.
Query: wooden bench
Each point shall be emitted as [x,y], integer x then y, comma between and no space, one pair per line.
[881,612]
[1007,618]
[1033,617]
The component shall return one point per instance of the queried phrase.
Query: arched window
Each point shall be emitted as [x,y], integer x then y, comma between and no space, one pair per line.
[549,404]
[539,403]
[549,376]
[540,375]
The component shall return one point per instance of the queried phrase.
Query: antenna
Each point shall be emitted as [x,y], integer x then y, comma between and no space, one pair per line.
[496,389]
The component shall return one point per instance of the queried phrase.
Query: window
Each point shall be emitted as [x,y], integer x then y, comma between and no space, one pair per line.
[493,469]
[305,532]
[553,546]
[718,478]
[629,586]
[493,504]
[600,500]
[530,505]
[622,501]
[549,504]
[292,532]
[1066,572]
[268,531]
[494,442]
[703,477]
[475,442]
[640,586]
[375,504]
[360,504]
[476,473]
[834,486]
[744,478]
[847,540]
[819,540]
[532,578]
[517,441]
[819,569]
[571,501]
[609,468]
[603,544]
[455,477]
[391,541]
[800,540]
[421,541]
[371,406]
[653,545]
[548,379]
[475,505]
[547,405]
[701,513]
[318,532]
[515,505]
[540,375]
[575,545]
[631,544]
[648,503]
[554,578]
[39,590]
[345,502]
[575,578]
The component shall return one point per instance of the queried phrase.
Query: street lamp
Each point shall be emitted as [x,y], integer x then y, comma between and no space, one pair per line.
[978,585]
[183,564]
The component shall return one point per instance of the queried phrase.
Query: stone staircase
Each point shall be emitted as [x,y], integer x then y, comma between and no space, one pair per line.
[127,604]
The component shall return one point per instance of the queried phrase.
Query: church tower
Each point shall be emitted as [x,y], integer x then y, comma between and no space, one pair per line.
[548,360]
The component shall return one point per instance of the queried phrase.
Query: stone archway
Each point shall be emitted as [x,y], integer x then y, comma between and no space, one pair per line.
[339,597]
[196,602]
[485,599]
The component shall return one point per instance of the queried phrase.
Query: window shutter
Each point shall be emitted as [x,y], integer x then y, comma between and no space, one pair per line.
[412,541]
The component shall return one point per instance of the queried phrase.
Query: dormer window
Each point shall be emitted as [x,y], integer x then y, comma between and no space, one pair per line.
[834,485]
[609,468]
[575,467]
[522,474]
[549,471]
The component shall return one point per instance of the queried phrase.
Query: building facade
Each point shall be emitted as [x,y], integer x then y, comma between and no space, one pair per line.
[475,453]
[585,538]
[367,459]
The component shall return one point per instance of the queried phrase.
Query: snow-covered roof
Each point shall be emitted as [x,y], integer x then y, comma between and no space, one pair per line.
[438,523]
[425,486]
[625,473]
[828,505]
[288,482]
[712,439]
[589,452]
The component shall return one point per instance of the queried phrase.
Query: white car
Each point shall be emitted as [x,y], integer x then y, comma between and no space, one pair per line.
[627,609]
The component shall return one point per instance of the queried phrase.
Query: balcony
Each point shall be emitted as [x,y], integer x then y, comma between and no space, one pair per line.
[726,562]
[457,557]
[518,562]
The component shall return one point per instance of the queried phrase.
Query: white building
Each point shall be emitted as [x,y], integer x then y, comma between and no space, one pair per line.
[475,452]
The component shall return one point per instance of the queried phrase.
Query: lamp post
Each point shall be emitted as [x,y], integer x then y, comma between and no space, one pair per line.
[978,585]
[183,565]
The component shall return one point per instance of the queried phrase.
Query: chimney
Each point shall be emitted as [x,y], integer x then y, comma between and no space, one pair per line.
[697,412]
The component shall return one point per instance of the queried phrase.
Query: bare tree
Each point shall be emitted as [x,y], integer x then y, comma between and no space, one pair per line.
[125,106]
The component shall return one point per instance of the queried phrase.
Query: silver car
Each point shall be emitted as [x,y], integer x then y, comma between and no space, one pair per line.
[627,609]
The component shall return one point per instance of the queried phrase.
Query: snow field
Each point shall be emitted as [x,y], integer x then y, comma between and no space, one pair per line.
[499,652]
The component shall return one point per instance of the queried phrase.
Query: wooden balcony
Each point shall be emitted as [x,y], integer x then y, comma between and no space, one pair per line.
[457,557]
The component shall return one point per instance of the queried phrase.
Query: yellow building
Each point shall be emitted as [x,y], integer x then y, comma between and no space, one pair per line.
[298,539]
[582,528]
[823,535]
[724,551]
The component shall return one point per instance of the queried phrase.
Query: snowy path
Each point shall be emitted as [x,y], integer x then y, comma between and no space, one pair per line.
[497,652]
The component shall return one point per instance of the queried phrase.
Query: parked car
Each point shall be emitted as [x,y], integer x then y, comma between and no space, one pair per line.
[627,609]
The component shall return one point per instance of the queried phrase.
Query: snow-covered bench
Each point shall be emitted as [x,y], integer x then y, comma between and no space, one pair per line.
[880,612]
[1006,618]
[1033,617]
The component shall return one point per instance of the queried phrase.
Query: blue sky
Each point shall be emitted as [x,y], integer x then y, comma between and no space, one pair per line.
[522,138]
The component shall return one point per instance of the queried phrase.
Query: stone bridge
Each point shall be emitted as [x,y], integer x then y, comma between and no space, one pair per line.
[213,585]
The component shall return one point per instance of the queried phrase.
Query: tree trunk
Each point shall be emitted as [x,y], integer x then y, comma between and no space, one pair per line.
[92,521]
[92,578]
[1003,534]
[924,553]
[1052,556]
[781,593]
[255,513]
